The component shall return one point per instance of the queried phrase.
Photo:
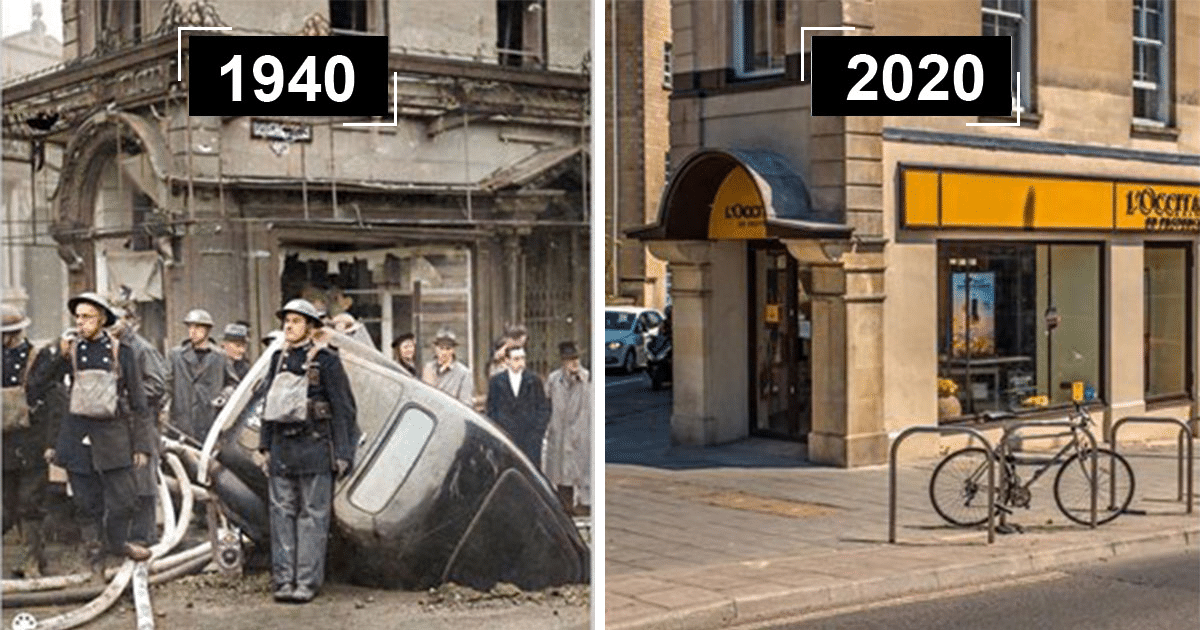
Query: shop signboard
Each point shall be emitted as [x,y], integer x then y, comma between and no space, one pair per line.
[738,211]
[964,199]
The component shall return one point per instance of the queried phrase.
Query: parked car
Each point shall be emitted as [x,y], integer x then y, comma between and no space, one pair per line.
[627,329]
[438,493]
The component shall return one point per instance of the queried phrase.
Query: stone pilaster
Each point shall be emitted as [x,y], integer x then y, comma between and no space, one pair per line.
[848,419]
[708,297]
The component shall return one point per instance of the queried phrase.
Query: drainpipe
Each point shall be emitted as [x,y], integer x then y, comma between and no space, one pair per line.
[616,148]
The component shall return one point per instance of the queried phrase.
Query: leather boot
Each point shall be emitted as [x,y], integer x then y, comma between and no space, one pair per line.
[34,562]
[93,549]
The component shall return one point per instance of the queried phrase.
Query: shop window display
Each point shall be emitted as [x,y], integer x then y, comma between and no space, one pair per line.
[1017,319]
[1167,269]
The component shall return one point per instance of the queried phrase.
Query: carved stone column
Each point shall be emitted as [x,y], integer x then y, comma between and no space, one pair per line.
[708,297]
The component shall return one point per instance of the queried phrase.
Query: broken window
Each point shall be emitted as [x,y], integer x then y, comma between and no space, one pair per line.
[520,25]
[351,17]
[118,23]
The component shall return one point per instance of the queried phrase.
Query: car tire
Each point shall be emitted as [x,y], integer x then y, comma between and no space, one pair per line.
[628,363]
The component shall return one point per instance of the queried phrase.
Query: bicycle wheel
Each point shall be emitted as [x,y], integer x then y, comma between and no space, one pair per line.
[1073,488]
[958,488]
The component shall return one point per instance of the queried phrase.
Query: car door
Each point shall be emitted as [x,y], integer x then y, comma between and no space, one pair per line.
[639,343]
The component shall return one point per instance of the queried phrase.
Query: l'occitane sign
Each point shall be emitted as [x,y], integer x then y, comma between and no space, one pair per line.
[738,211]
[946,198]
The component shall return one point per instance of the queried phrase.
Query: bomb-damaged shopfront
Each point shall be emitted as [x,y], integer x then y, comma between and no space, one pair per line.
[470,214]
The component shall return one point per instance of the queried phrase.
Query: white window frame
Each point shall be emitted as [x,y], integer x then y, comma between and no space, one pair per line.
[1024,52]
[739,44]
[668,65]
[1163,86]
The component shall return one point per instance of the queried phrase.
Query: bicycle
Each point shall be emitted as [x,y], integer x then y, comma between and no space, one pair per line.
[958,487]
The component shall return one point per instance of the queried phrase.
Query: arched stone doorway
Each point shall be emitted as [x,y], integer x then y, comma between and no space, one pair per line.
[113,213]
[760,294]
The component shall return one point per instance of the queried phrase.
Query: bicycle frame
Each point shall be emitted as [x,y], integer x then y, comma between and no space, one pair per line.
[1009,461]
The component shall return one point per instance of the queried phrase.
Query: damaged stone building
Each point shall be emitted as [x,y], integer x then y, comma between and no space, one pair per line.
[469,214]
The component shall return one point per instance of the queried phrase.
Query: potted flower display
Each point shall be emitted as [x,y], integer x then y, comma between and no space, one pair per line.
[948,403]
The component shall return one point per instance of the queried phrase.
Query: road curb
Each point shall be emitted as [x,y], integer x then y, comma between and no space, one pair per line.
[729,611]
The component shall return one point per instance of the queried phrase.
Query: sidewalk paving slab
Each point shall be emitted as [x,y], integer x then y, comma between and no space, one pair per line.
[677,561]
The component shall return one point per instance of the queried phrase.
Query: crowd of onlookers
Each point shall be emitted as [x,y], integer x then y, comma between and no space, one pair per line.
[89,409]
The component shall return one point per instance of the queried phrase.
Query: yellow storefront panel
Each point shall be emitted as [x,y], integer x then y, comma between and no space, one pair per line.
[1004,201]
[920,198]
[1158,208]
[738,211]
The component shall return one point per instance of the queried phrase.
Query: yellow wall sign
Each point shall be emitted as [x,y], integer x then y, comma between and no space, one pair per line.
[945,198]
[738,211]
[1158,208]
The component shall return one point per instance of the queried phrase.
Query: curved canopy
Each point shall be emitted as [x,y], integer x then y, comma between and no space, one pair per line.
[738,194]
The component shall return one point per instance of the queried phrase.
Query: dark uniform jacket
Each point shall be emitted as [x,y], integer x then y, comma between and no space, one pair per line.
[524,416]
[46,398]
[312,446]
[154,370]
[194,381]
[112,441]
[154,380]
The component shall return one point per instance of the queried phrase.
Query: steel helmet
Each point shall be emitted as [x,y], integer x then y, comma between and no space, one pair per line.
[13,319]
[199,316]
[94,299]
[301,307]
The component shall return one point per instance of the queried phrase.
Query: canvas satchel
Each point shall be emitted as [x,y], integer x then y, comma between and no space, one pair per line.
[287,398]
[16,409]
[94,392]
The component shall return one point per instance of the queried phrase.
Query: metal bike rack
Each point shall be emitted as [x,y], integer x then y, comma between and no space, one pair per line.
[1011,427]
[942,431]
[1185,435]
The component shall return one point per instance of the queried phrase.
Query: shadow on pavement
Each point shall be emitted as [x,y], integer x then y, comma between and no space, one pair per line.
[641,436]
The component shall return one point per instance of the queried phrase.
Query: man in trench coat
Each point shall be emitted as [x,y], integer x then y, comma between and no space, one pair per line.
[198,374]
[567,460]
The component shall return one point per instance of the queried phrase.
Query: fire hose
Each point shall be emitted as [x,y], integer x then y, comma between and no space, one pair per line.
[23,593]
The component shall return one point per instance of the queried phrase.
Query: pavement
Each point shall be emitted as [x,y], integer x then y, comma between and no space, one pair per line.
[749,532]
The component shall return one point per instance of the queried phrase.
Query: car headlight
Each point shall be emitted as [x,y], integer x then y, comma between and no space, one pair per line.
[613,345]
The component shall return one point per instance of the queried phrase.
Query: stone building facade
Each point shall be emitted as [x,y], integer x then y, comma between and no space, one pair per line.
[638,79]
[469,214]
[828,272]
[27,255]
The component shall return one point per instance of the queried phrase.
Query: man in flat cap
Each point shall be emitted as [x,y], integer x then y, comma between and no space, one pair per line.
[567,459]
[235,343]
[517,402]
[106,433]
[197,376]
[448,374]
[32,406]
[404,351]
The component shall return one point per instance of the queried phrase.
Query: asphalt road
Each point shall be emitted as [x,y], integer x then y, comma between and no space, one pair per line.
[636,418]
[1148,593]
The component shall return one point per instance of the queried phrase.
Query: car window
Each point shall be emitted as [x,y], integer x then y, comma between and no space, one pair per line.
[617,320]
[399,451]
[652,319]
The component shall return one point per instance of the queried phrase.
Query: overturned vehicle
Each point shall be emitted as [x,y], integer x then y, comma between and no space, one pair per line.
[438,493]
